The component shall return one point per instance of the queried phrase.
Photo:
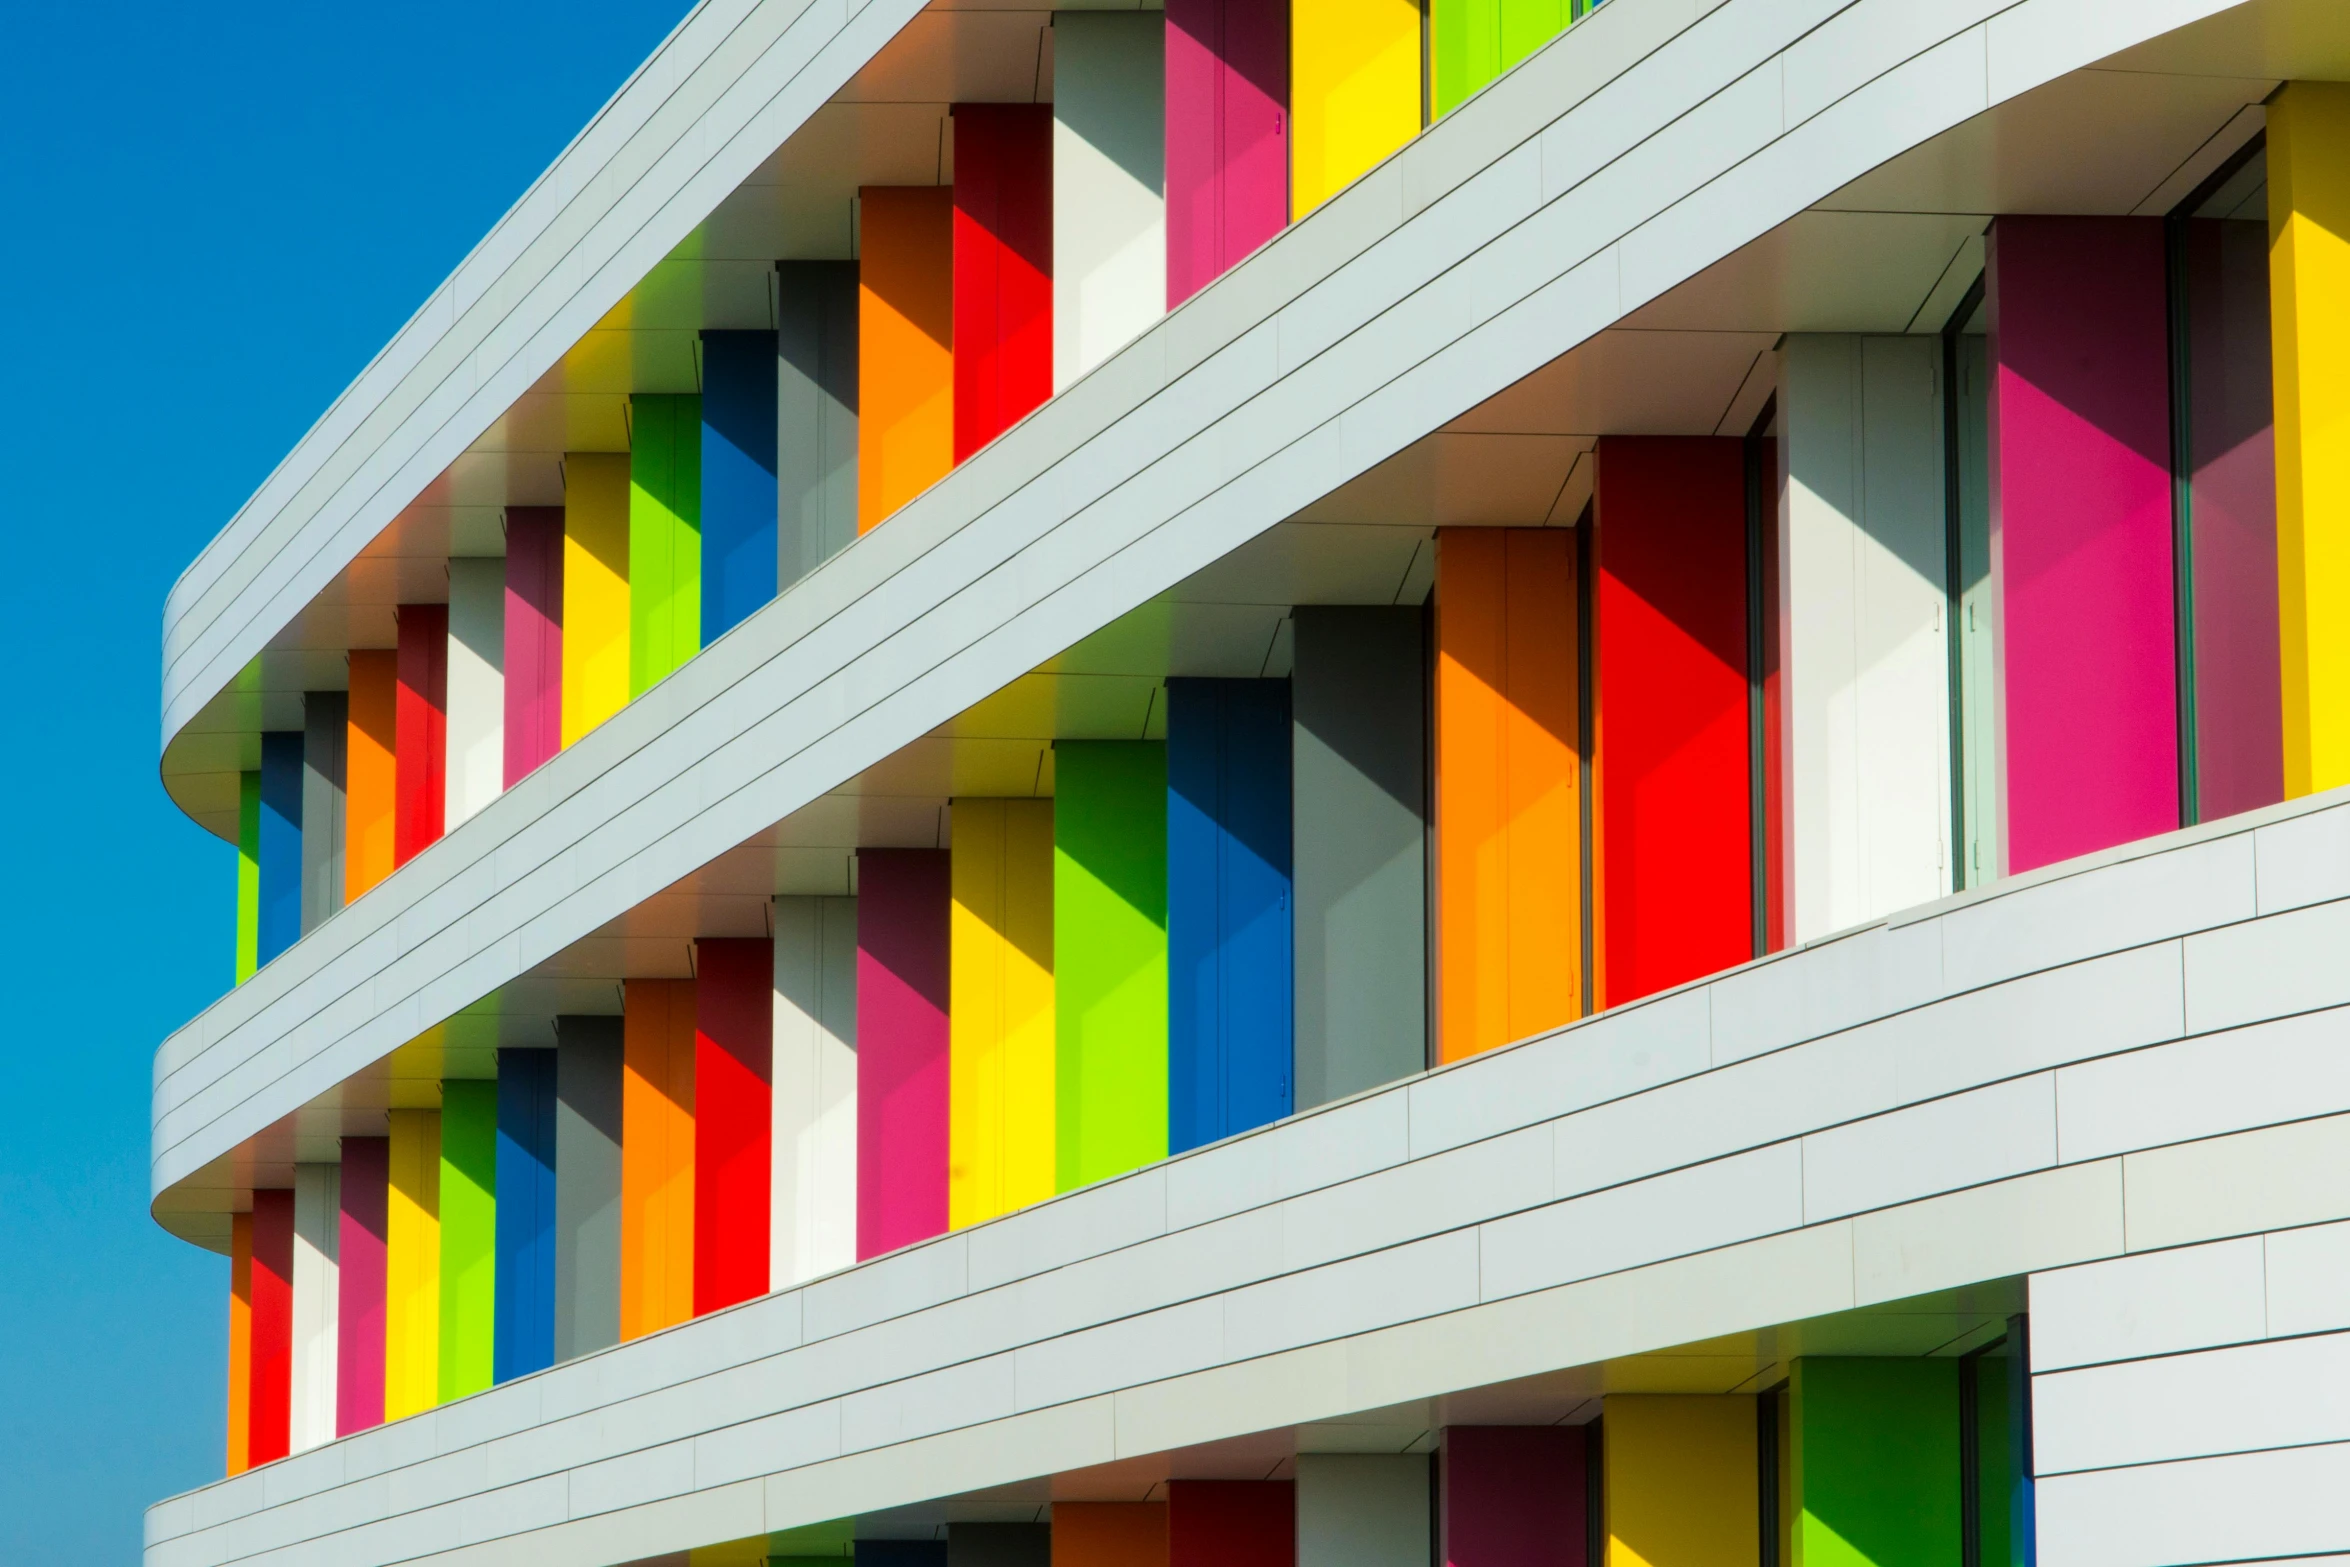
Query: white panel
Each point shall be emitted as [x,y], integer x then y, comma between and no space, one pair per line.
[1362,1510]
[477,686]
[2283,1393]
[1867,685]
[318,1192]
[2231,1082]
[2309,1279]
[1945,1144]
[2156,1304]
[1109,183]
[2240,1508]
[814,1208]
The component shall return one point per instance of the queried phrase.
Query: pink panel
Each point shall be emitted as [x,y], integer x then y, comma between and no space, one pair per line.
[2080,497]
[1227,135]
[534,637]
[1513,1496]
[902,925]
[359,1284]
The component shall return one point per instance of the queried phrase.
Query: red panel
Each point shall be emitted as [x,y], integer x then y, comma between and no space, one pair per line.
[1513,1496]
[273,1325]
[420,753]
[1003,267]
[734,1032]
[1231,1523]
[1676,872]
[534,638]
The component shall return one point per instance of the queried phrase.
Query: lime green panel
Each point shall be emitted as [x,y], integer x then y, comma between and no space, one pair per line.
[1110,956]
[469,1235]
[1473,41]
[664,536]
[1993,1448]
[248,875]
[1876,1472]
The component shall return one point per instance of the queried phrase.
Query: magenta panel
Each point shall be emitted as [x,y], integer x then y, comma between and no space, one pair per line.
[359,1284]
[2081,519]
[534,637]
[1227,135]
[1513,1496]
[902,946]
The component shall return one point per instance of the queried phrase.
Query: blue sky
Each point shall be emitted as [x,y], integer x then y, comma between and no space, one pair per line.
[214,216]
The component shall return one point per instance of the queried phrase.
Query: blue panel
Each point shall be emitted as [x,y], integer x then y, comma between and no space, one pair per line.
[524,1338]
[738,478]
[281,842]
[1229,942]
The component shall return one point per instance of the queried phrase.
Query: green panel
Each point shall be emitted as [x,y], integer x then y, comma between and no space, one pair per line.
[469,1234]
[1876,1473]
[1996,1491]
[664,535]
[248,875]
[1110,955]
[1476,40]
[815,1542]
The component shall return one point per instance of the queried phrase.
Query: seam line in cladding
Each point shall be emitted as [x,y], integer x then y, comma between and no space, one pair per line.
[626,863]
[2216,1455]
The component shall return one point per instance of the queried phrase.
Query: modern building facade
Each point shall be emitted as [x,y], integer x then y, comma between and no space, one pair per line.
[1340,783]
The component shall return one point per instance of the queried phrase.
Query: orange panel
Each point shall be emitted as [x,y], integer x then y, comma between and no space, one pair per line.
[1109,1534]
[370,778]
[656,1155]
[240,1342]
[905,345]
[1509,828]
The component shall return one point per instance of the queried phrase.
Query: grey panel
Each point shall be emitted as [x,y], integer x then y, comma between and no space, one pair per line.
[587,1184]
[999,1545]
[1360,696]
[815,414]
[1362,1510]
[326,717]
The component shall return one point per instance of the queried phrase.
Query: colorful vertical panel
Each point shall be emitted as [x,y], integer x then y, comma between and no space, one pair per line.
[999,1545]
[2309,282]
[1109,184]
[1003,329]
[469,1236]
[1231,1523]
[664,535]
[523,1339]
[1227,136]
[362,1242]
[1509,859]
[1994,1457]
[1359,693]
[1355,89]
[269,1432]
[1514,1496]
[370,770]
[905,345]
[420,728]
[1875,1460]
[533,638]
[814,1142]
[1362,1510]
[1109,957]
[903,980]
[2081,507]
[901,1553]
[278,917]
[240,1343]
[476,766]
[326,720]
[1680,1478]
[248,954]
[1109,1534]
[738,499]
[589,1075]
[412,1265]
[816,414]
[734,1118]
[1000,1146]
[1674,883]
[656,1156]
[1474,41]
[595,585]
[317,1289]
[1230,958]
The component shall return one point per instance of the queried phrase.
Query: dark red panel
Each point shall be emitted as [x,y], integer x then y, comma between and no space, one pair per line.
[420,728]
[734,1032]
[273,1325]
[1676,872]
[1003,267]
[534,638]
[1231,1523]
[1513,1496]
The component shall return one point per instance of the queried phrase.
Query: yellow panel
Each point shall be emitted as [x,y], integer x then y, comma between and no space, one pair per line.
[2309,284]
[1355,86]
[595,589]
[412,1266]
[1681,1481]
[1000,1011]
